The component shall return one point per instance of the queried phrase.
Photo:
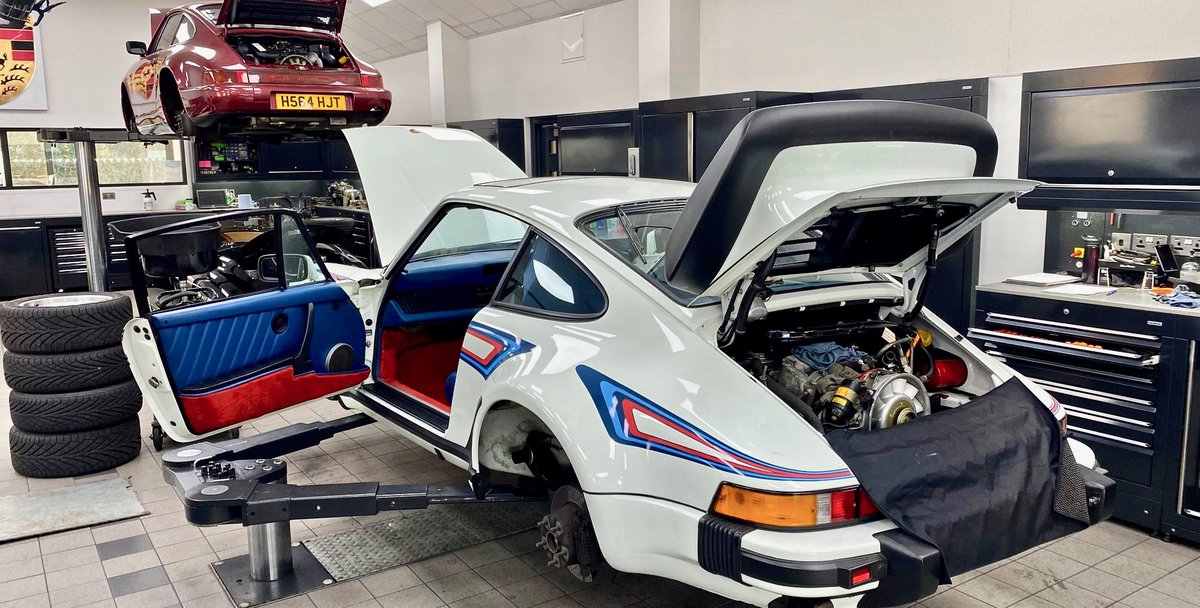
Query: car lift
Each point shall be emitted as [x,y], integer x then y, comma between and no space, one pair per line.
[94,237]
[245,481]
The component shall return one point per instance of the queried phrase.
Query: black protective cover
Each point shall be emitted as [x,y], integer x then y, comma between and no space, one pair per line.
[978,481]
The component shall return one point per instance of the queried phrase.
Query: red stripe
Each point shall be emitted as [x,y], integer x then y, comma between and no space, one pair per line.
[24,55]
[10,34]
[497,348]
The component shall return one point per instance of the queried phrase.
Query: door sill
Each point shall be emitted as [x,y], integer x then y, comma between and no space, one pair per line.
[384,404]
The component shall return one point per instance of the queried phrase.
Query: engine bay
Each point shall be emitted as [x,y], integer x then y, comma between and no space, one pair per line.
[303,53]
[861,375]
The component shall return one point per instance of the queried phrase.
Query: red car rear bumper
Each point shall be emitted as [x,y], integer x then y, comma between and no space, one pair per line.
[208,104]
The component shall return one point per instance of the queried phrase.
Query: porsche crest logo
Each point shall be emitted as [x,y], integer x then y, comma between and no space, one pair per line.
[17,55]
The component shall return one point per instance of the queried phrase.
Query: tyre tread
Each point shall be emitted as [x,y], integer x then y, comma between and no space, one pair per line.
[72,454]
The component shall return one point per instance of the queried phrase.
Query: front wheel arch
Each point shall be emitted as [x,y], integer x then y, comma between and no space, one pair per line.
[172,106]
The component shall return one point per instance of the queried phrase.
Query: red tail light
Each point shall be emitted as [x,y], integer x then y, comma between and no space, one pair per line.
[372,81]
[866,508]
[226,77]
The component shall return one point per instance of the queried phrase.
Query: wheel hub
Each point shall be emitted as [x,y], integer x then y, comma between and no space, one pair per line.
[569,540]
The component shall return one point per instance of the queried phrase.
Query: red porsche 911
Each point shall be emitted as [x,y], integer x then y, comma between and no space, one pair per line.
[251,65]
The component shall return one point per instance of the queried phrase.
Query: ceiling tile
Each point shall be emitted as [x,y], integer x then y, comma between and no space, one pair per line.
[512,19]
[577,5]
[486,25]
[417,45]
[525,3]
[544,10]
[462,10]
[406,18]
[494,7]
[465,31]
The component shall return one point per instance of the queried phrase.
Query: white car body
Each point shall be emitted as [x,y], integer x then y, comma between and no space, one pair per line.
[726,427]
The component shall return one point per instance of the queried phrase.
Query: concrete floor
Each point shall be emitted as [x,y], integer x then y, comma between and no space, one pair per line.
[159,560]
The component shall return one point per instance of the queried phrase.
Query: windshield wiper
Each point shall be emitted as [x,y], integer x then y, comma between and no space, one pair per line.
[624,219]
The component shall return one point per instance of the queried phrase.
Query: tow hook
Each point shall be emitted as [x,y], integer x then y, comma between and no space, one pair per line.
[569,540]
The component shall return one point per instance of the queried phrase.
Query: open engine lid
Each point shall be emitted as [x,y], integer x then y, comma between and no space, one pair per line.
[407,171]
[846,186]
[316,14]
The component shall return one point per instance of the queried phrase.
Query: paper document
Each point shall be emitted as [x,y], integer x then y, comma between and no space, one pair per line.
[1043,279]
[1082,290]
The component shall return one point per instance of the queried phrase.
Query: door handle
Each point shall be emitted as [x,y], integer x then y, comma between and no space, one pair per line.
[279,323]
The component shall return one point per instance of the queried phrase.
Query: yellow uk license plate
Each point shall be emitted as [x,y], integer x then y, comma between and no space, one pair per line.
[307,102]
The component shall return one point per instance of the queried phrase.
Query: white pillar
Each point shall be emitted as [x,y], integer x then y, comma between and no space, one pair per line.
[449,75]
[668,49]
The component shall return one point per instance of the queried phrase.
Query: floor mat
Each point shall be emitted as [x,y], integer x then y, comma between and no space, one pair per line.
[67,508]
[416,535]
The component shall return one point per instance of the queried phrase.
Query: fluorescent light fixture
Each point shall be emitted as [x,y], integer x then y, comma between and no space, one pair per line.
[374,3]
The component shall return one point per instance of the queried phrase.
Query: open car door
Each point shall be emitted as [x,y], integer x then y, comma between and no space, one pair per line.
[239,319]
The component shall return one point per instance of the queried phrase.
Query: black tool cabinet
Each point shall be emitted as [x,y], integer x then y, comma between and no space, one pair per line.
[507,134]
[1131,402]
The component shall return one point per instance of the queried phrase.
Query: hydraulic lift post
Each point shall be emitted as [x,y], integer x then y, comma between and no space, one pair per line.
[91,213]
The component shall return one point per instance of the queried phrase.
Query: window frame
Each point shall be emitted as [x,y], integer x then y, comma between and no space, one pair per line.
[527,243]
[160,35]
[192,24]
[6,184]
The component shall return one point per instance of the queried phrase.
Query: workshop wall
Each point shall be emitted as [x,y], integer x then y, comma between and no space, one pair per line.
[789,45]
[519,72]
[408,79]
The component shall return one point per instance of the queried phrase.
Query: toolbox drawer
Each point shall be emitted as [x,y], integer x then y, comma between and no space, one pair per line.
[1134,387]
[1143,322]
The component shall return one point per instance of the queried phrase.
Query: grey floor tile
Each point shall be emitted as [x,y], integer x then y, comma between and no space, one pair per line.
[391,581]
[216,600]
[126,564]
[340,595]
[645,586]
[33,601]
[20,569]
[185,550]
[121,529]
[1034,601]
[23,587]
[1110,537]
[505,572]
[530,592]
[136,582]
[1058,566]
[64,541]
[190,568]
[683,597]
[487,599]
[459,586]
[171,536]
[70,577]
[1069,595]
[71,559]
[562,602]
[75,596]
[1131,569]
[124,546]
[1149,598]
[992,591]
[1023,577]
[953,598]
[19,551]
[420,596]
[439,567]
[1102,583]
[1080,551]
[156,597]
[1155,553]
[197,587]
[1178,586]
[483,553]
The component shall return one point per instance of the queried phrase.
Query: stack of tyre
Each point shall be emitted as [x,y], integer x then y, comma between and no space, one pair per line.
[74,403]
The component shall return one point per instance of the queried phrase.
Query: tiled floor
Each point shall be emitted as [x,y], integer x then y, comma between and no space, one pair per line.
[160,560]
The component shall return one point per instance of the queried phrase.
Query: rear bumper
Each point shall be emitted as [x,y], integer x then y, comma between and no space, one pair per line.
[208,104]
[905,569]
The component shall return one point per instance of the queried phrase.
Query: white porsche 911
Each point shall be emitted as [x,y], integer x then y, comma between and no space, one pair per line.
[732,384]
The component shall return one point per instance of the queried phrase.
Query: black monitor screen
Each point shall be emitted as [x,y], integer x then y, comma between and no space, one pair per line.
[595,149]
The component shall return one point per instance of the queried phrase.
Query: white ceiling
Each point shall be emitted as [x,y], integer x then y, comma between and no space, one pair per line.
[397,27]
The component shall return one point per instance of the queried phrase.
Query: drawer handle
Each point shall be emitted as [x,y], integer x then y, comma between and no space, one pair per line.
[1051,343]
[1100,330]
[1140,444]
[1095,416]
[1088,393]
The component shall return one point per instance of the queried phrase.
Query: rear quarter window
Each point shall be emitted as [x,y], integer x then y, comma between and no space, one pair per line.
[544,279]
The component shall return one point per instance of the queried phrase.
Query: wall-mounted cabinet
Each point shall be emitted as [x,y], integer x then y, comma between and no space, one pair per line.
[593,143]
[1120,137]
[680,137]
[507,134]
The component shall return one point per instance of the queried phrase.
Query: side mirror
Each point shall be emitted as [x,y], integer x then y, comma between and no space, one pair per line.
[134,47]
[294,265]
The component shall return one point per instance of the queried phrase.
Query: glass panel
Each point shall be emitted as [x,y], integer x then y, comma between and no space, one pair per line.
[468,230]
[544,278]
[133,163]
[37,164]
[166,35]
[185,32]
[299,260]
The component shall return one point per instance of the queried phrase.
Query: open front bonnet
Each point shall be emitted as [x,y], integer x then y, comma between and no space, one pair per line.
[324,15]
[848,186]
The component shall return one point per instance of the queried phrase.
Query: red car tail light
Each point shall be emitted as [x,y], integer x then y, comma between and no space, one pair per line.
[371,81]
[226,77]
[793,510]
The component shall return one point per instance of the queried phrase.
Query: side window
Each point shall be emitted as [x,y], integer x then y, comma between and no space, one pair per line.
[185,32]
[166,33]
[300,264]
[546,279]
[470,229]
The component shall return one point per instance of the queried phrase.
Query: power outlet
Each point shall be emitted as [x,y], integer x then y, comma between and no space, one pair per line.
[1146,243]
[1186,246]
[1120,241]
[108,196]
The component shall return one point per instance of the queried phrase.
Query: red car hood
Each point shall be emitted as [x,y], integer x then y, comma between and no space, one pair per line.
[317,14]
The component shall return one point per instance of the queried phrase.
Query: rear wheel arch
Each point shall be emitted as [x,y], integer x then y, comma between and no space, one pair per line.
[127,110]
[504,429]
